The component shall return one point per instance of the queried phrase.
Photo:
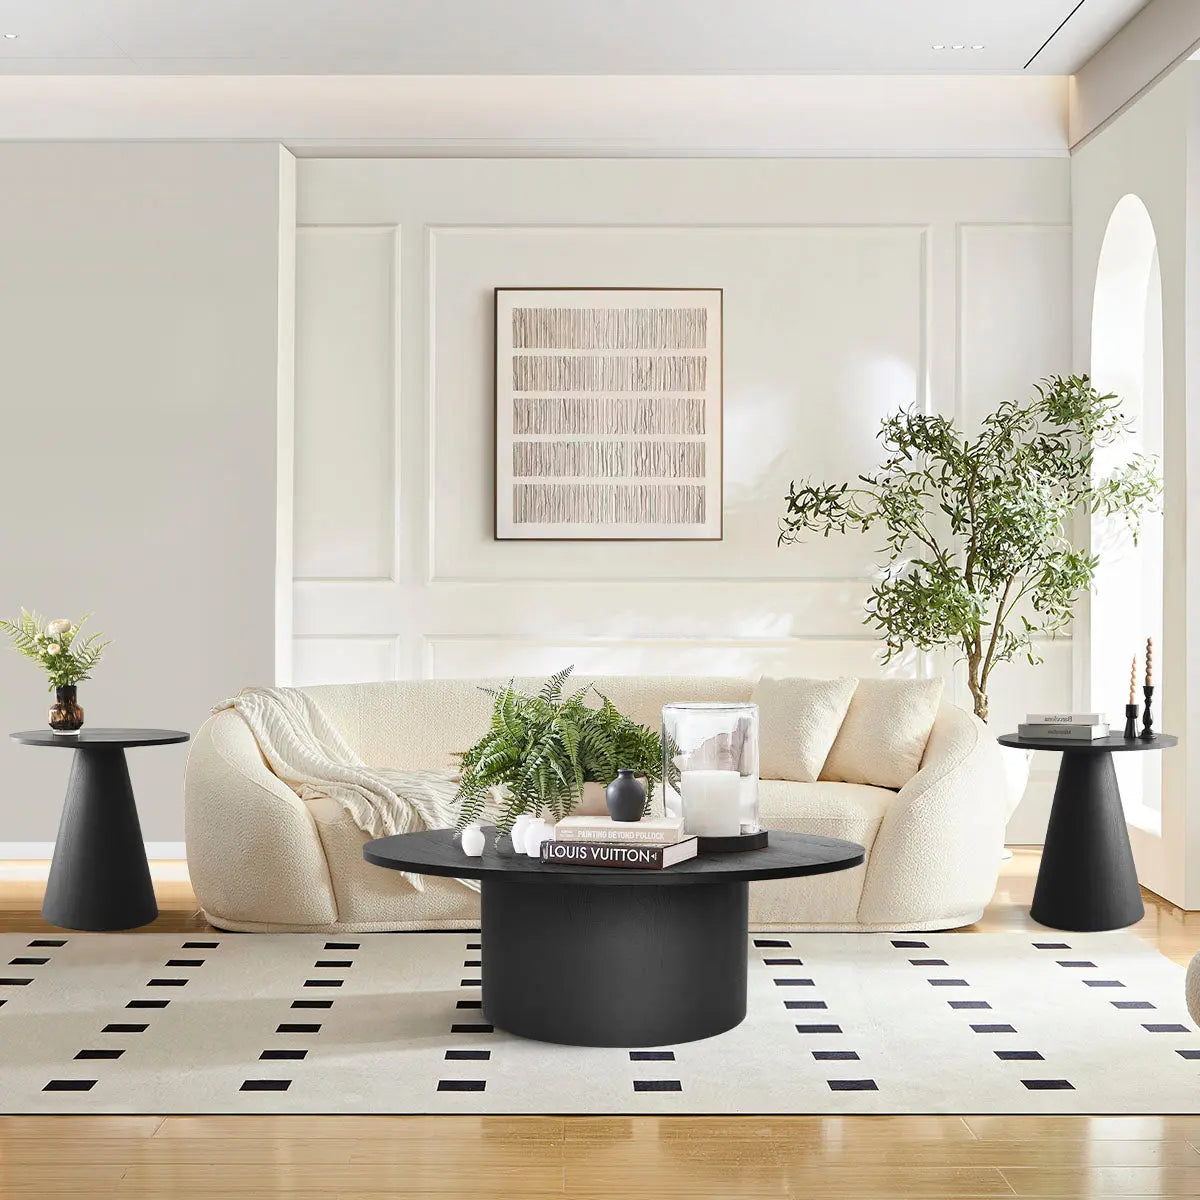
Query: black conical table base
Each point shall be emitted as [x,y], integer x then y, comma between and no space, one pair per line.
[99,878]
[1087,880]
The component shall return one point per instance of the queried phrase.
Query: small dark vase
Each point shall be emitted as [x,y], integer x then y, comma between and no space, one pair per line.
[65,715]
[504,845]
[626,797]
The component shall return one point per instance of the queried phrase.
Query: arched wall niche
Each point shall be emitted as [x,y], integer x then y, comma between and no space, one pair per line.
[1127,603]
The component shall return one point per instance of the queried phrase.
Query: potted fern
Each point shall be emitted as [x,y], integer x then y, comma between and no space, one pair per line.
[540,751]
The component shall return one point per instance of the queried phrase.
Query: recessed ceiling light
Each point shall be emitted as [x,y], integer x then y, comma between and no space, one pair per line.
[978,46]
[956,46]
[938,46]
[11,36]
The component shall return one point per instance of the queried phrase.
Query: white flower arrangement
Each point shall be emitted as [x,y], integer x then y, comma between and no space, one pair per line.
[55,646]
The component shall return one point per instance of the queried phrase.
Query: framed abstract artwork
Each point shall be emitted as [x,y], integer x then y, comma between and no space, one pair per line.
[608,414]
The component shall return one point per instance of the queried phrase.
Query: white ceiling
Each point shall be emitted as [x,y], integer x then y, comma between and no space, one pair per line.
[549,37]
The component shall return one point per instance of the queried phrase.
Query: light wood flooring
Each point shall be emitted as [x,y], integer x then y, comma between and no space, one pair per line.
[612,1157]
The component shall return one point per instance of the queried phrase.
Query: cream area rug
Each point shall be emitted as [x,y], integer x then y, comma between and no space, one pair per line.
[392,1023]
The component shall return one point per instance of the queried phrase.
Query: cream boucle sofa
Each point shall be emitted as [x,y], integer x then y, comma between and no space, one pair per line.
[262,859]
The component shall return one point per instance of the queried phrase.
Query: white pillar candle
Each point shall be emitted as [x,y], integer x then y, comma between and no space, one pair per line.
[711,803]
[748,803]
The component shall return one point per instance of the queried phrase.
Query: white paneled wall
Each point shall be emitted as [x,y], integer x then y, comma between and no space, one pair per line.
[852,287]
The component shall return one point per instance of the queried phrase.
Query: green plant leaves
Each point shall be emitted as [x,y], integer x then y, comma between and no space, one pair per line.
[541,749]
[977,530]
[65,659]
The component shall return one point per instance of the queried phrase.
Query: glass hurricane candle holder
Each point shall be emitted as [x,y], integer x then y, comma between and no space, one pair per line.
[710,767]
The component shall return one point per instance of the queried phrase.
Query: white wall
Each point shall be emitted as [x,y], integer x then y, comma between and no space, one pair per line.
[1148,151]
[140,325]
[851,287]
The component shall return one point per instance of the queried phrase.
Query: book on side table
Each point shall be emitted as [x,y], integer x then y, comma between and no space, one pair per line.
[1071,727]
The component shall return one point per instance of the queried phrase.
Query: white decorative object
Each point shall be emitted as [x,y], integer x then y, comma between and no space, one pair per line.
[517,833]
[537,832]
[472,841]
[712,803]
[710,767]
[608,413]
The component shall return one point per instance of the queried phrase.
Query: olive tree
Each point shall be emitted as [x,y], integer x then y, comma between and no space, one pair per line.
[977,529]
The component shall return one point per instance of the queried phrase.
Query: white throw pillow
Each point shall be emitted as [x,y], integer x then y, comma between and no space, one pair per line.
[798,722]
[882,739]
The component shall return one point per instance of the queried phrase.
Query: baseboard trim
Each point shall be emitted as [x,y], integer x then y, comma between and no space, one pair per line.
[25,851]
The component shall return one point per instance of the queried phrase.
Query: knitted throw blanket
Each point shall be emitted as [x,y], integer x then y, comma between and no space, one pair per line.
[307,753]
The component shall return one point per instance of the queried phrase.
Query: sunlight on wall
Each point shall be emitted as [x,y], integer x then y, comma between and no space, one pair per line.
[1127,605]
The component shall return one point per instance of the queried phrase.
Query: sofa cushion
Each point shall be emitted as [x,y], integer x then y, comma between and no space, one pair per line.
[842,810]
[798,720]
[853,811]
[882,739]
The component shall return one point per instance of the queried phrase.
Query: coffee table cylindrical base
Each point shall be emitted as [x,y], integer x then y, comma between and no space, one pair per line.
[99,878]
[1087,879]
[600,965]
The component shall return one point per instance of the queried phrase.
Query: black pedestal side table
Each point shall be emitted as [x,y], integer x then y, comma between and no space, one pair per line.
[607,956]
[99,878]
[1087,880]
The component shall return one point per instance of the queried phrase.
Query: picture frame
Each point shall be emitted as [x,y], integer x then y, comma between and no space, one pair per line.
[608,414]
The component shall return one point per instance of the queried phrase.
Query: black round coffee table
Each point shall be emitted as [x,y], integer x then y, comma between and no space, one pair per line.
[1087,880]
[99,877]
[600,956]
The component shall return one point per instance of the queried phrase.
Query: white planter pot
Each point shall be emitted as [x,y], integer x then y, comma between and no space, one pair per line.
[1016,765]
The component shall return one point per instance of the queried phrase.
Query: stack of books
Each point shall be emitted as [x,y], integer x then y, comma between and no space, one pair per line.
[650,844]
[1070,727]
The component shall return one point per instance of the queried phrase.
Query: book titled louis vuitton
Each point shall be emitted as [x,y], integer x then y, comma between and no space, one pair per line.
[609,854]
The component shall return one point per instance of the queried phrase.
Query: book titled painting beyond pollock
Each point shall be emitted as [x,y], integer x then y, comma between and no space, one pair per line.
[650,831]
[608,854]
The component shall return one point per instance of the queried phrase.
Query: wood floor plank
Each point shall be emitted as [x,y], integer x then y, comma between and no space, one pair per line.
[83,1177]
[1173,1181]
[800,1131]
[487,1130]
[532,1173]
[1026,1153]
[1084,1128]
[66,1130]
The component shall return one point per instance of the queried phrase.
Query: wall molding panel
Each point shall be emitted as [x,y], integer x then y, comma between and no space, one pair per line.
[851,288]
[348,361]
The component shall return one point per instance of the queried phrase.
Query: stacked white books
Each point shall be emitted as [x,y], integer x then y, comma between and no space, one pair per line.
[1067,726]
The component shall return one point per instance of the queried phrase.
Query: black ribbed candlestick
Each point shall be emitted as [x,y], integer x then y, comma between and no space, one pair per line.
[1131,716]
[1148,734]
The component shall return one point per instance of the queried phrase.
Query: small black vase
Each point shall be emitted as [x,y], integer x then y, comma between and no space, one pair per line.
[66,716]
[625,797]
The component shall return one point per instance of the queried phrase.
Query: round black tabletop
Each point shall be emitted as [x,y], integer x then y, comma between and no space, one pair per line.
[1114,741]
[438,852]
[99,736]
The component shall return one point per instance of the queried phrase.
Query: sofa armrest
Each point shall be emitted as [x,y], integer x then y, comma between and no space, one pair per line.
[253,850]
[937,854]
